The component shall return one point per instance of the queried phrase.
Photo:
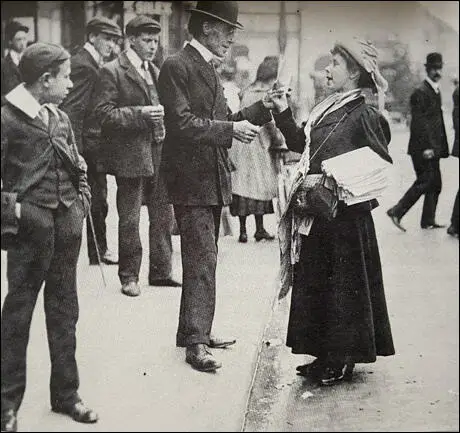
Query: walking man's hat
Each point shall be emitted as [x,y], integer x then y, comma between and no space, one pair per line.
[434,60]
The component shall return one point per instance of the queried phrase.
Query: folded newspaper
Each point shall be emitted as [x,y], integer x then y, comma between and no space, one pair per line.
[361,175]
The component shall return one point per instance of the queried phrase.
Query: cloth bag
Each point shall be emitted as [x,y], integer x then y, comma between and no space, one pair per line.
[318,200]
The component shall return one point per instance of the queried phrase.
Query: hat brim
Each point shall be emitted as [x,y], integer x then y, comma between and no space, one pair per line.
[434,65]
[112,33]
[237,24]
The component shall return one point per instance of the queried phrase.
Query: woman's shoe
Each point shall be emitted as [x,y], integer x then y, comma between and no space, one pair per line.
[313,369]
[334,374]
[243,238]
[263,234]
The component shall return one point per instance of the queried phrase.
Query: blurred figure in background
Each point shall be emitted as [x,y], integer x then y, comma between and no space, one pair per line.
[227,72]
[16,38]
[453,228]
[254,181]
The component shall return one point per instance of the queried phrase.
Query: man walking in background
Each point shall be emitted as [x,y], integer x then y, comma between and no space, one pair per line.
[16,38]
[427,145]
[102,36]
[126,104]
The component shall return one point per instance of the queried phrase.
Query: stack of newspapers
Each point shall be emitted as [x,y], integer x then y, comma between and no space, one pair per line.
[360,175]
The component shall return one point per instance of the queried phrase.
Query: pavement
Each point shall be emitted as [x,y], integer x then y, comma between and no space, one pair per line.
[137,380]
[131,372]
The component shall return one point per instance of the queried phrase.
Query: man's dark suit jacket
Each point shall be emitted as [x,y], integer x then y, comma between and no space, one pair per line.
[27,147]
[84,70]
[11,77]
[427,130]
[198,132]
[127,138]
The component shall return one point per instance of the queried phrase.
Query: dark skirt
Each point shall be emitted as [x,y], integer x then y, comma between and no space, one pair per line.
[338,306]
[243,206]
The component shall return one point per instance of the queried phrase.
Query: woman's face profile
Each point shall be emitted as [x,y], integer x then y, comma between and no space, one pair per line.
[337,74]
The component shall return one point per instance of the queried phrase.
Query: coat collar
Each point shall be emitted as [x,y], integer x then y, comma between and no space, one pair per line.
[206,70]
[133,75]
[335,116]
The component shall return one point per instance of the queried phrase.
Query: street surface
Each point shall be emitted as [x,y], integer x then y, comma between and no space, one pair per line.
[134,376]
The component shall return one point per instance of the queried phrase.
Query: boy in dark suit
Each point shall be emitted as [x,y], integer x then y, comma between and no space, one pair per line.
[199,130]
[427,145]
[45,198]
[126,104]
[102,35]
[16,37]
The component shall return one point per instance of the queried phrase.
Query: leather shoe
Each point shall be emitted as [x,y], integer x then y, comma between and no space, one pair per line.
[9,421]
[199,357]
[220,343]
[243,238]
[131,289]
[432,226]
[78,412]
[109,258]
[263,234]
[169,282]
[395,220]
[452,231]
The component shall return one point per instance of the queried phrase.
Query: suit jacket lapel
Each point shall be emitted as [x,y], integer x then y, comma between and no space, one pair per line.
[205,69]
[133,75]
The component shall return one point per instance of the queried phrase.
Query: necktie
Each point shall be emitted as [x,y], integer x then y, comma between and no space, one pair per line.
[43,115]
[147,74]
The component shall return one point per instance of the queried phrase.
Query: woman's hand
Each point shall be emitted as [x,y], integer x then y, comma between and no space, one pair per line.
[277,99]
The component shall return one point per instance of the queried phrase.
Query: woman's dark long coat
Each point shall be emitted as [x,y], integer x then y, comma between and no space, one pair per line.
[338,305]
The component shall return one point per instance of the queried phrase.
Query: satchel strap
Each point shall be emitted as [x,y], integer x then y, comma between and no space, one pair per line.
[335,127]
[328,135]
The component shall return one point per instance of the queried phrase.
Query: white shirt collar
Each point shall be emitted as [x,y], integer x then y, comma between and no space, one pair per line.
[94,54]
[434,85]
[22,99]
[15,56]
[135,60]
[205,53]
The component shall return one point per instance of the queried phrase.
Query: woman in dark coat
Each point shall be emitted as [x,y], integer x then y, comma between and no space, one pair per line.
[338,309]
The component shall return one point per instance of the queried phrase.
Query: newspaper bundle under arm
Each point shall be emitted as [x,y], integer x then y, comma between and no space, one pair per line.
[361,175]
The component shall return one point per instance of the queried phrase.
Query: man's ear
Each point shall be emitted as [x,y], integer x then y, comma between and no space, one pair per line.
[207,27]
[45,79]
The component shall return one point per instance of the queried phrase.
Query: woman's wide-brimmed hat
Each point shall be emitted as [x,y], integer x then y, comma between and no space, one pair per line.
[366,55]
[226,11]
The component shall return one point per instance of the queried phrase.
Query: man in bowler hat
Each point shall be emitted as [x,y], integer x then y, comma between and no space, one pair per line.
[427,145]
[199,130]
[16,37]
[126,104]
[102,37]
[45,198]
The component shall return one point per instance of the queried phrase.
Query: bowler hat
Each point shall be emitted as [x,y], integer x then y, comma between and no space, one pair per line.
[39,57]
[142,23]
[226,11]
[13,27]
[434,60]
[103,25]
